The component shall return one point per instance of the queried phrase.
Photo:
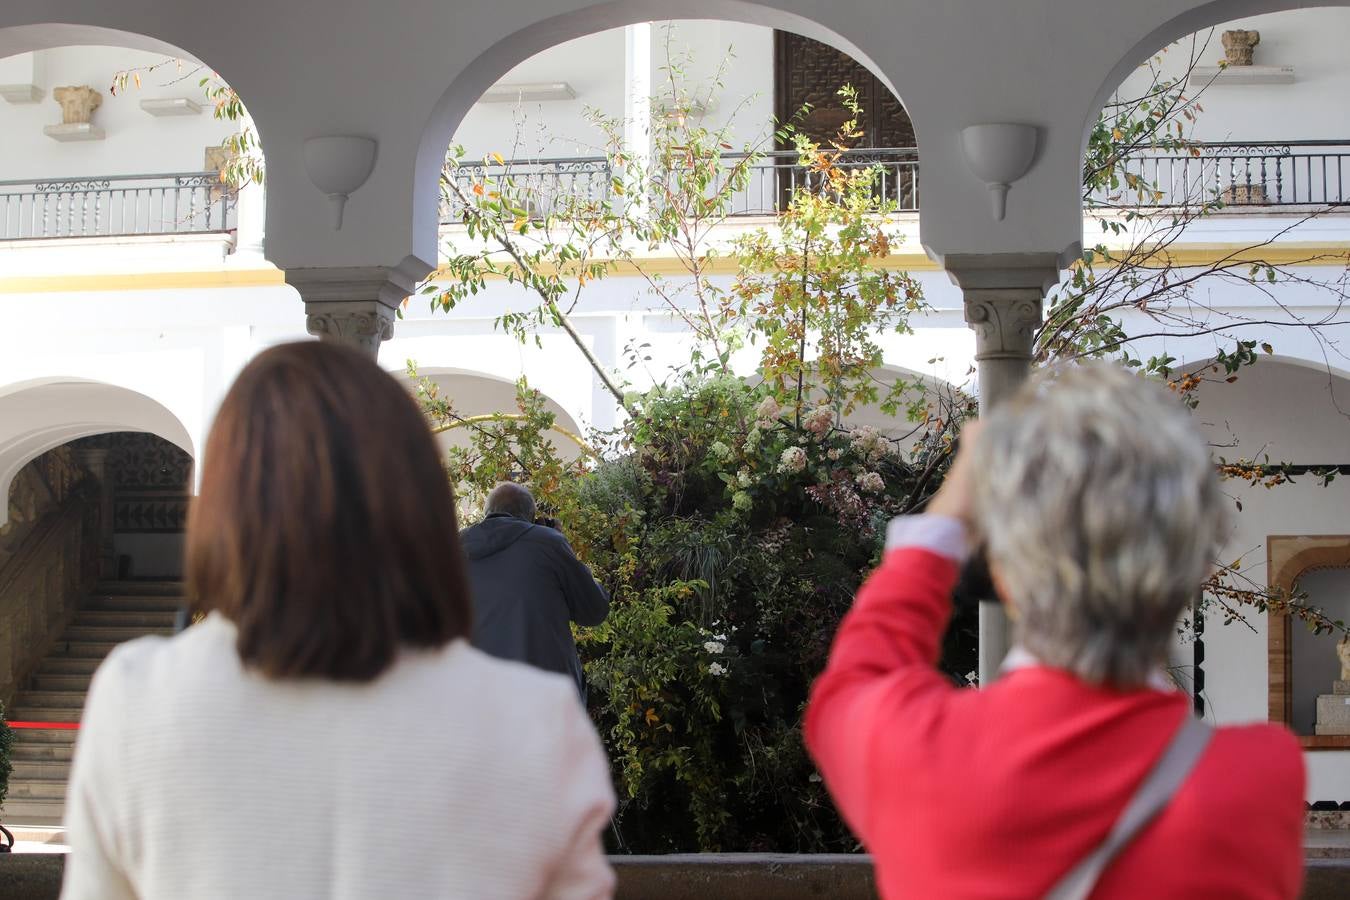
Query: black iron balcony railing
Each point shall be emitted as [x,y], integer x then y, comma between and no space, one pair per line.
[1293,173]
[538,185]
[118,205]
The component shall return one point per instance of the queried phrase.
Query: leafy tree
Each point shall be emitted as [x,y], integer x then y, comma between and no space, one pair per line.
[244,159]
[1130,276]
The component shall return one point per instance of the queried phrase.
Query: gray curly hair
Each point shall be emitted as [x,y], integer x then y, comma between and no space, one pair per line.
[1100,507]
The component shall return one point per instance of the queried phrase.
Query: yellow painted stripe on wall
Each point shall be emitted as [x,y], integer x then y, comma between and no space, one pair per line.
[142,281]
[1283,254]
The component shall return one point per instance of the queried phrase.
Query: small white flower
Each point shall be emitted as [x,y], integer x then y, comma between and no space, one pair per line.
[793,460]
[834,453]
[715,647]
[815,777]
[743,478]
[717,669]
[719,637]
[720,450]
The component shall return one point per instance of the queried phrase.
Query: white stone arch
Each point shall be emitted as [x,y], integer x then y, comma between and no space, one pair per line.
[476,393]
[1295,410]
[42,414]
[498,59]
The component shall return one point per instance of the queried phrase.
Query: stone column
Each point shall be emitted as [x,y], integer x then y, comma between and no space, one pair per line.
[95,459]
[356,306]
[1003,293]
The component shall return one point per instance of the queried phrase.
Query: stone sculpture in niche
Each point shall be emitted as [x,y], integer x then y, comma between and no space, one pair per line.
[1333,710]
[77,103]
[1238,46]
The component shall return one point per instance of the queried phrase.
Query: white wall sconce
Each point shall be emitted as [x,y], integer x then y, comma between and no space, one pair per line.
[999,154]
[337,166]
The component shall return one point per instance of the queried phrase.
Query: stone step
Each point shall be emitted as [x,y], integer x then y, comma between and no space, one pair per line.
[66,665]
[61,682]
[119,618]
[35,790]
[40,770]
[147,588]
[83,649]
[25,737]
[42,753]
[46,714]
[49,836]
[109,633]
[49,700]
[133,603]
[33,812]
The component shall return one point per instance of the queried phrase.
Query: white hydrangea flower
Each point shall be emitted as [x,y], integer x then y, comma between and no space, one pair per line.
[793,460]
[869,443]
[871,481]
[834,453]
[720,450]
[767,410]
[752,440]
[743,478]
[717,669]
[742,501]
[715,647]
[819,420]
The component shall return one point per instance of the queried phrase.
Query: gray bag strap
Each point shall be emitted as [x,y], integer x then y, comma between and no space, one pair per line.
[1153,795]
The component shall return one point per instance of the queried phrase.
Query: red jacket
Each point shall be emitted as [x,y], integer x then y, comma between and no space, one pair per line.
[998,792]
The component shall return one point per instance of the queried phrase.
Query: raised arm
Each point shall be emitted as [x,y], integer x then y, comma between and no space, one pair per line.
[879,704]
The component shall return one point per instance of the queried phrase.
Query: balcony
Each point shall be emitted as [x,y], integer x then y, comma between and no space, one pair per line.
[1289,174]
[116,206]
[772,178]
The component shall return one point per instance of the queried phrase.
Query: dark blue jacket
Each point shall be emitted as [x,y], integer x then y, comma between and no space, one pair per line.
[527,586]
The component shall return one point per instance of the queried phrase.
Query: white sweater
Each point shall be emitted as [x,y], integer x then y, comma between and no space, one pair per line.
[452,775]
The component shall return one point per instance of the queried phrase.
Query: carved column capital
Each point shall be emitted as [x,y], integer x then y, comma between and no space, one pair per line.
[356,305]
[1005,322]
[1003,293]
[361,325]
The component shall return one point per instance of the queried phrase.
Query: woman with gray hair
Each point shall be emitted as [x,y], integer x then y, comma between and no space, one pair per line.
[1081,771]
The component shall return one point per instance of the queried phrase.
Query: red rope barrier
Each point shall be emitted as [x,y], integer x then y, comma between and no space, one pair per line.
[70,726]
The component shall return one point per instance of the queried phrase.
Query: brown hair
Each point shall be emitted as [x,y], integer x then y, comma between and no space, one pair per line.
[325,528]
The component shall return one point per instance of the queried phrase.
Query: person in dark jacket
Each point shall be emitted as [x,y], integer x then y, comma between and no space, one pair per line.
[528,585]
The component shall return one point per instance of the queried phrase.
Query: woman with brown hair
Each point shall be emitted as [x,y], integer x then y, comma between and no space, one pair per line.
[326,730]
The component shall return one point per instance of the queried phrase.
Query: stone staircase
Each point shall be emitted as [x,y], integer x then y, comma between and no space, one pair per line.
[114,612]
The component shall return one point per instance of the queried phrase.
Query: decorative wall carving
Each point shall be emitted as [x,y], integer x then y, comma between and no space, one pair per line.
[1238,46]
[77,103]
[151,481]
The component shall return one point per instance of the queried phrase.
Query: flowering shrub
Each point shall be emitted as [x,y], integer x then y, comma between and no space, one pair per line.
[732,541]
